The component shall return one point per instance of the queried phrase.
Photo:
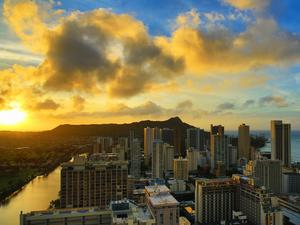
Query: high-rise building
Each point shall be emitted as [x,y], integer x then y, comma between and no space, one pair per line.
[256,202]
[93,182]
[217,129]
[244,142]
[91,216]
[168,156]
[156,133]
[193,156]
[103,145]
[148,145]
[157,159]
[167,136]
[215,199]
[268,173]
[291,182]
[218,151]
[162,204]
[136,157]
[232,155]
[195,138]
[181,171]
[281,141]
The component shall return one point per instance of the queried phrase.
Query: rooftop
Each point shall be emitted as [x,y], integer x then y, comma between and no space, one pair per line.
[164,199]
[156,189]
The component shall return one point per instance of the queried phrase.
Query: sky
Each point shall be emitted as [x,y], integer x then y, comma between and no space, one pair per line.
[115,61]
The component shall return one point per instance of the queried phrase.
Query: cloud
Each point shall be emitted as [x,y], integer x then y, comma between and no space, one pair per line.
[2,103]
[187,104]
[248,4]
[277,101]
[148,109]
[225,106]
[190,19]
[219,50]
[47,104]
[78,103]
[248,103]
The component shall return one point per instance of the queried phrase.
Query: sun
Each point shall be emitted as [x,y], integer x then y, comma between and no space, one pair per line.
[12,116]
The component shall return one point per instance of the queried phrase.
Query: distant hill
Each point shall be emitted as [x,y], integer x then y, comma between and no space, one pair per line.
[64,133]
[117,130]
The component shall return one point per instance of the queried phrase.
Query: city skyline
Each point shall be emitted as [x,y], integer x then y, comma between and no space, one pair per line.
[223,62]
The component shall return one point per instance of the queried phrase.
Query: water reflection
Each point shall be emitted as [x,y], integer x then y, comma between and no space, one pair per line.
[36,195]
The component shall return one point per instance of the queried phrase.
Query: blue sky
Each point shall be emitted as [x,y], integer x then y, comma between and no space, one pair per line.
[208,61]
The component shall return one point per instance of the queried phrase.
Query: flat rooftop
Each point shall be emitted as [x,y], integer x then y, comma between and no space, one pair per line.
[157,189]
[164,199]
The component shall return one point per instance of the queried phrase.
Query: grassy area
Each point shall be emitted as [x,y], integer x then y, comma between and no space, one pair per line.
[12,181]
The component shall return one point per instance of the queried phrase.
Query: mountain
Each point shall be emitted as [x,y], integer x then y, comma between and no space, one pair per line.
[117,130]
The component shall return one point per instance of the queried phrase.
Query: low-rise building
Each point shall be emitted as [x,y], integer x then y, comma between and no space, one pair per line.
[90,216]
[162,204]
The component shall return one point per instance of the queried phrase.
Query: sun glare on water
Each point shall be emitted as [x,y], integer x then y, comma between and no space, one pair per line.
[12,116]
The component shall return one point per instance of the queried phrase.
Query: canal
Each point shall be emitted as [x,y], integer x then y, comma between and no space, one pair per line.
[36,195]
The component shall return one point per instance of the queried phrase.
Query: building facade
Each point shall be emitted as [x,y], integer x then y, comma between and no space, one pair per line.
[181,171]
[163,205]
[86,183]
[281,142]
[215,199]
[244,142]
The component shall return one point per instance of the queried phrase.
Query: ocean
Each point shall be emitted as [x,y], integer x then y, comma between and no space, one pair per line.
[295,142]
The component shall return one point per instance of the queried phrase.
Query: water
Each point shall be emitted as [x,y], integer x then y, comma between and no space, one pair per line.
[295,142]
[36,195]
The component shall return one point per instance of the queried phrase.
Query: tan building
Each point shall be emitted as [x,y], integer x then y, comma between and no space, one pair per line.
[193,156]
[148,145]
[181,171]
[162,204]
[157,159]
[93,182]
[168,157]
[244,142]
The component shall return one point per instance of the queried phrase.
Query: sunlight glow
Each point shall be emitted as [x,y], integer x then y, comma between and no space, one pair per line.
[12,116]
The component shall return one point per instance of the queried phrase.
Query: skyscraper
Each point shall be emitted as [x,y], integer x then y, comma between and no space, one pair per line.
[148,145]
[281,142]
[168,156]
[135,159]
[268,173]
[218,150]
[157,159]
[195,138]
[217,129]
[244,142]
[215,199]
[193,156]
[181,171]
